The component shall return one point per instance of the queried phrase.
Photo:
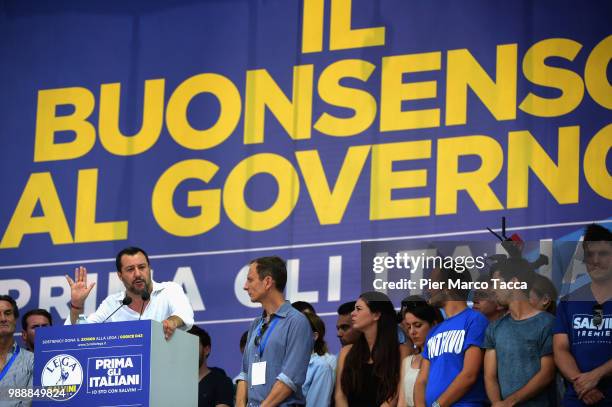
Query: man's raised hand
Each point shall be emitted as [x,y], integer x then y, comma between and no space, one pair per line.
[79,290]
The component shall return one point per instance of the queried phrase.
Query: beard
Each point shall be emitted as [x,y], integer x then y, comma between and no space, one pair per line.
[138,291]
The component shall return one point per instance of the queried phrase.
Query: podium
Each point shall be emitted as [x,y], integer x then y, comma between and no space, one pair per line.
[117,363]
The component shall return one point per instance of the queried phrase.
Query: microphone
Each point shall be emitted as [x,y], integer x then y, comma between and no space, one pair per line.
[127,300]
[145,295]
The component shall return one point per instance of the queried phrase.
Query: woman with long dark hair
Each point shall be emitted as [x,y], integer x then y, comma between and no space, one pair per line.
[369,370]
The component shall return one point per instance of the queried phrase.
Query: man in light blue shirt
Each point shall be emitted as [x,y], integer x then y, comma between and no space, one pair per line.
[279,342]
[16,363]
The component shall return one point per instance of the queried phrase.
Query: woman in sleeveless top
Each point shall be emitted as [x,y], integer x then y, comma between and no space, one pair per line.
[419,317]
[369,370]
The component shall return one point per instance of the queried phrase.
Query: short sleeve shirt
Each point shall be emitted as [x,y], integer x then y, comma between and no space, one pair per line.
[445,349]
[519,346]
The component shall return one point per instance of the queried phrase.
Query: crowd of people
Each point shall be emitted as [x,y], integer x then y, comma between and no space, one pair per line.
[512,347]
[515,346]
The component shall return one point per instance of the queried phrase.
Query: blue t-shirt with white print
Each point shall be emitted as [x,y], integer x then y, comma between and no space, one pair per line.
[445,349]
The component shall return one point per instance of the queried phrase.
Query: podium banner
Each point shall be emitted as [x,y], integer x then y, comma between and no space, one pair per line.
[87,365]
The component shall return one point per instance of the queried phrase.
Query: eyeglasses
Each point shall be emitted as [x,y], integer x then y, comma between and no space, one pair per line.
[262,331]
[411,304]
[408,305]
[597,314]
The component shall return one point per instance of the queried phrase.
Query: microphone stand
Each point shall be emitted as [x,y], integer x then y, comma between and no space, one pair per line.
[145,297]
[127,300]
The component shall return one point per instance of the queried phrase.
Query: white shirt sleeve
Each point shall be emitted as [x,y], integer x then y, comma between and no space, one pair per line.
[167,299]
[180,305]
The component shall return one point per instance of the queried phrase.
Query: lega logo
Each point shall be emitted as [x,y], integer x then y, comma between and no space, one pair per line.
[63,372]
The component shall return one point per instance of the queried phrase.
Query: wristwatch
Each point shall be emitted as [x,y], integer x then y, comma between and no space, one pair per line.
[435,404]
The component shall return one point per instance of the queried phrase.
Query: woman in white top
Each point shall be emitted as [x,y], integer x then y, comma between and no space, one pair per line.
[418,318]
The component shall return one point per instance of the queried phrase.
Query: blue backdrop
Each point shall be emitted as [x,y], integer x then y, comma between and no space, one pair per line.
[210,133]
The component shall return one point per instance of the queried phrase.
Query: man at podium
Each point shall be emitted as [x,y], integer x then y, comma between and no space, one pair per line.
[143,298]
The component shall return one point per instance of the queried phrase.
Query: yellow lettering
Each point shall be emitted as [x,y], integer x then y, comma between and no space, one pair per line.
[596,73]
[595,169]
[331,204]
[499,97]
[176,114]
[111,137]
[342,36]
[47,124]
[86,229]
[312,26]
[536,71]
[394,91]
[385,180]
[560,180]
[449,181]
[295,116]
[288,191]
[40,188]
[207,201]
[360,101]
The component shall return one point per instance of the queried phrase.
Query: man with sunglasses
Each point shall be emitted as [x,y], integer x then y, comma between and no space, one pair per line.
[279,342]
[582,341]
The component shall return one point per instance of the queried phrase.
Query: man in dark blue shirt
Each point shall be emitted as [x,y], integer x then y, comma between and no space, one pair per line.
[215,389]
[582,340]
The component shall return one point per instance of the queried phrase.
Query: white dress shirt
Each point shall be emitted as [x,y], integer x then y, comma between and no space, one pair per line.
[167,298]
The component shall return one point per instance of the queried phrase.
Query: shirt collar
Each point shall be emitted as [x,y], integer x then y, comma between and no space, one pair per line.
[282,311]
[13,348]
[157,287]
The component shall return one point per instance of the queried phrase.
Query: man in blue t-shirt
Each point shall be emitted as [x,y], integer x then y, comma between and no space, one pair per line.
[452,356]
[519,367]
[582,339]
